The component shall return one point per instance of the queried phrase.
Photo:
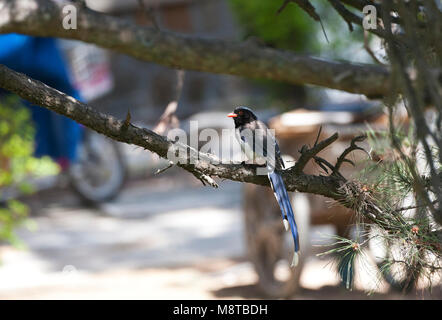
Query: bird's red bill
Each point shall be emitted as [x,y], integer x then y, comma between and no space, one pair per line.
[232,115]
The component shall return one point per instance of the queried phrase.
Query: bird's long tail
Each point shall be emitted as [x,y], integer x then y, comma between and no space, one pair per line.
[283,199]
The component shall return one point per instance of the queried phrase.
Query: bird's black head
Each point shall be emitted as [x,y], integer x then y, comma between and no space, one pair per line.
[242,115]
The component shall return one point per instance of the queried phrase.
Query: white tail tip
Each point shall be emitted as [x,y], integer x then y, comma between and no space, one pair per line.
[286,224]
[295,260]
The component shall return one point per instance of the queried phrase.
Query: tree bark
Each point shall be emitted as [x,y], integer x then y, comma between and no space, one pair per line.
[205,165]
[44,18]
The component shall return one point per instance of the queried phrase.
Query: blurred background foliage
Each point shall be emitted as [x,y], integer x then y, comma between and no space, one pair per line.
[295,30]
[292,29]
[17,165]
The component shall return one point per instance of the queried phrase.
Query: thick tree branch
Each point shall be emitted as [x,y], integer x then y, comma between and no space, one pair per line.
[205,165]
[44,18]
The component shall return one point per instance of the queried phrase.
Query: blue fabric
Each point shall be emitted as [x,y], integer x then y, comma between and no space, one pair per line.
[41,59]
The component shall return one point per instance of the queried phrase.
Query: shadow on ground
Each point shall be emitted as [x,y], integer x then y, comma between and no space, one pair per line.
[253,291]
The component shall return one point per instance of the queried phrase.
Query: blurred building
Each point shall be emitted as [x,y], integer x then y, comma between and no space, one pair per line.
[147,88]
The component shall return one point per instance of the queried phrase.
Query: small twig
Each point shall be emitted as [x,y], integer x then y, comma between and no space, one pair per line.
[282,7]
[308,8]
[425,265]
[414,206]
[126,122]
[323,163]
[317,137]
[205,179]
[347,15]
[351,148]
[309,153]
[168,118]
[149,13]
[369,51]
[170,165]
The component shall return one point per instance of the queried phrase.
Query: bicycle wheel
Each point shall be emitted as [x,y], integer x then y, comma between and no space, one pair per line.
[100,172]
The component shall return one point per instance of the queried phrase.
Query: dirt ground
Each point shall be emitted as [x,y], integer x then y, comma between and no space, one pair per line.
[163,238]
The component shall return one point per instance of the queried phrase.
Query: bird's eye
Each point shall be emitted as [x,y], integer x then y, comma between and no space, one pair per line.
[241,113]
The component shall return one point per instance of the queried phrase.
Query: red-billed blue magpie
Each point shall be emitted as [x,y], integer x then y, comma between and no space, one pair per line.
[260,146]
